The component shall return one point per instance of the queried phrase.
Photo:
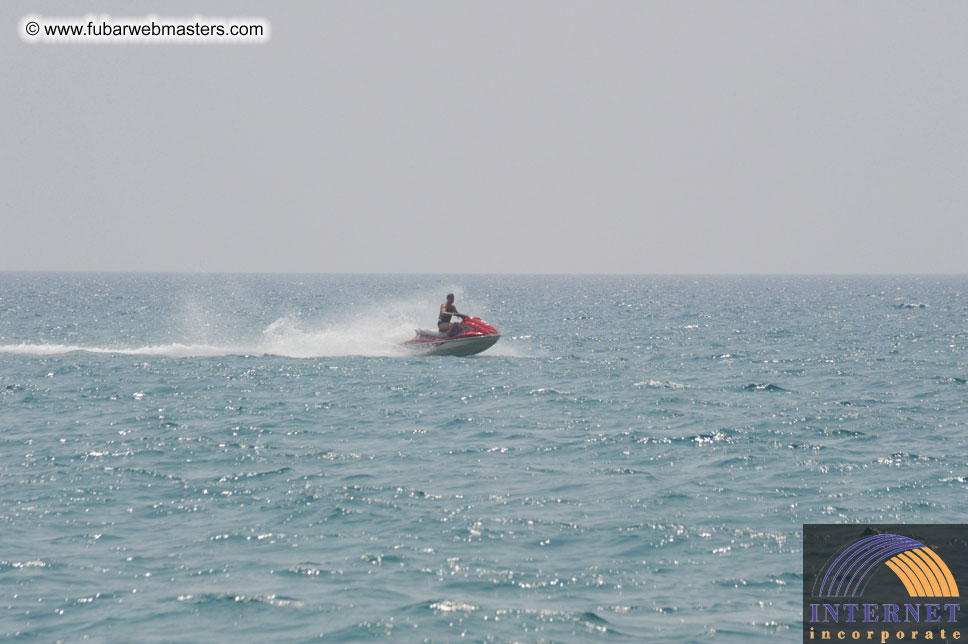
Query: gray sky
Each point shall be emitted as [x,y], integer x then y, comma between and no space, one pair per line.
[482,137]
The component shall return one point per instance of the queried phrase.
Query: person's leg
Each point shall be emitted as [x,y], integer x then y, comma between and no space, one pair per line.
[450,328]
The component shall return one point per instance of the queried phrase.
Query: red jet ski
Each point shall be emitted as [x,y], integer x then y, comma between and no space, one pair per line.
[473,336]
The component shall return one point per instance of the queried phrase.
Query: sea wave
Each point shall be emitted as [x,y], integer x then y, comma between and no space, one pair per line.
[659,384]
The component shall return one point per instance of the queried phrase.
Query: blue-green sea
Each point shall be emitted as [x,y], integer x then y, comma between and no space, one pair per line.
[254,458]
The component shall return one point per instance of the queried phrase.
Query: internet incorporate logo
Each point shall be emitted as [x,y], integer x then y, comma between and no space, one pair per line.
[883,583]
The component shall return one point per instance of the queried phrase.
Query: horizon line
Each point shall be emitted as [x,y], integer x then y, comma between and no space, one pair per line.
[448,274]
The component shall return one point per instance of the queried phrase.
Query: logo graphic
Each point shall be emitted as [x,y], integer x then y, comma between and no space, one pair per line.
[884,583]
[922,572]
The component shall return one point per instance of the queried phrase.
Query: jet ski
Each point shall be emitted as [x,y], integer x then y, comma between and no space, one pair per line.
[473,336]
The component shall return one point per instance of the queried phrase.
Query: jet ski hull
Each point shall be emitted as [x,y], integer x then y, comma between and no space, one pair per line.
[453,347]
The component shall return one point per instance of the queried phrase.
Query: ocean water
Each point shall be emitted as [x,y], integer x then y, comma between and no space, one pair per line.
[251,458]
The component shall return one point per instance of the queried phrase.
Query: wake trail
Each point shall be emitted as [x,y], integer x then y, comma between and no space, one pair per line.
[284,338]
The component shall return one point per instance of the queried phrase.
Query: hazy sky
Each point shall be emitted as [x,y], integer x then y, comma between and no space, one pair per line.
[482,137]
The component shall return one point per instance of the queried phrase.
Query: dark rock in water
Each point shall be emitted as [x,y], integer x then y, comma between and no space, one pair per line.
[763,387]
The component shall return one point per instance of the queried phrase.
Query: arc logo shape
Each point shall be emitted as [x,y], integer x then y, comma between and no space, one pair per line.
[922,572]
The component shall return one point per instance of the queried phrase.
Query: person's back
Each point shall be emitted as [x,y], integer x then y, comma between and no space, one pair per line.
[447,311]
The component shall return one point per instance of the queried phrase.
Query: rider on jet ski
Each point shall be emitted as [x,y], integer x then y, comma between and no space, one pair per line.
[447,309]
